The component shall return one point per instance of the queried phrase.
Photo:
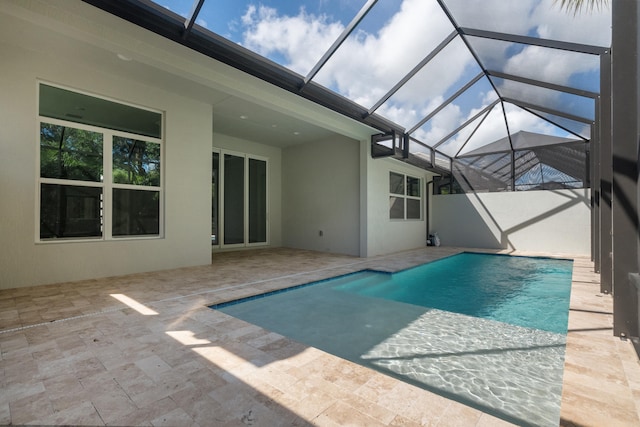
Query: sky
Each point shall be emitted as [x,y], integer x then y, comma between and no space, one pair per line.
[397,34]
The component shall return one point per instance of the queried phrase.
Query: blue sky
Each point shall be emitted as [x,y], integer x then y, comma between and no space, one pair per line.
[397,34]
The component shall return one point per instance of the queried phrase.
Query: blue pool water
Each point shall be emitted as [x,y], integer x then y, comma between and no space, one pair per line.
[523,291]
[486,330]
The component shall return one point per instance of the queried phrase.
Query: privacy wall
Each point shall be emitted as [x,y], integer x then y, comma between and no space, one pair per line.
[540,221]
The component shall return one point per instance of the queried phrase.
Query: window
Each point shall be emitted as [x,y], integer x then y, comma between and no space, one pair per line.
[97,182]
[405,198]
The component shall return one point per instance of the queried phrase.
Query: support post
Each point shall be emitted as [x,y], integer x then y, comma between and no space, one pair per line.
[625,112]
[513,170]
[593,180]
[605,175]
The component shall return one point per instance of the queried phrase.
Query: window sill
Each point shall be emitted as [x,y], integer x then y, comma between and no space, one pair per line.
[96,240]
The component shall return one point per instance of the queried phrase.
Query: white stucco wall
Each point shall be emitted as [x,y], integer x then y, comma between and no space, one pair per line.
[274,191]
[187,172]
[385,235]
[539,221]
[321,192]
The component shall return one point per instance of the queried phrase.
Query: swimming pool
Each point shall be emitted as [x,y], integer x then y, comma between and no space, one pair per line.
[499,366]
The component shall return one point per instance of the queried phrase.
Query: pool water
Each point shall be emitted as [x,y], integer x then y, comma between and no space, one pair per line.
[523,291]
[457,341]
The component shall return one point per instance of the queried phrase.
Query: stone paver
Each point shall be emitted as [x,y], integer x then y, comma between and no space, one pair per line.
[75,353]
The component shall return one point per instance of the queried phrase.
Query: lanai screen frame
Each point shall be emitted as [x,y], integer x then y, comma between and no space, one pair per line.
[150,15]
[604,171]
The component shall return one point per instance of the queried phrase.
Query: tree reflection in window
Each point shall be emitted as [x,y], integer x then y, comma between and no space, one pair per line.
[70,153]
[136,162]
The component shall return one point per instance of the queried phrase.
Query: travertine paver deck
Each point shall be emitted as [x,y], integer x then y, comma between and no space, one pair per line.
[75,353]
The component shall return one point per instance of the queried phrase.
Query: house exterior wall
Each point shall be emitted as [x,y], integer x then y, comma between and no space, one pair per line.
[385,235]
[274,165]
[539,221]
[321,193]
[187,172]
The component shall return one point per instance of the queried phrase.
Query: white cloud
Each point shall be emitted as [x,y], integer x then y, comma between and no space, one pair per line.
[544,18]
[441,125]
[368,64]
[301,39]
[512,17]
[409,114]
[586,27]
[550,64]
[520,119]
[435,79]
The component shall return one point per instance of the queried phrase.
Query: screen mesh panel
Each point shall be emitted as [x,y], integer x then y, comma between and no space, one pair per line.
[540,168]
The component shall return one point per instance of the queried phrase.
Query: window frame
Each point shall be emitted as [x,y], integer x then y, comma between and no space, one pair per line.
[106,185]
[405,196]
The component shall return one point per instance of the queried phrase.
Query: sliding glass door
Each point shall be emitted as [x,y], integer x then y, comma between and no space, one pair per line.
[239,204]
[215,198]
[257,201]
[234,196]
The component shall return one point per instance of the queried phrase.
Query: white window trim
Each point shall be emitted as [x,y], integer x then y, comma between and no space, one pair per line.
[106,184]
